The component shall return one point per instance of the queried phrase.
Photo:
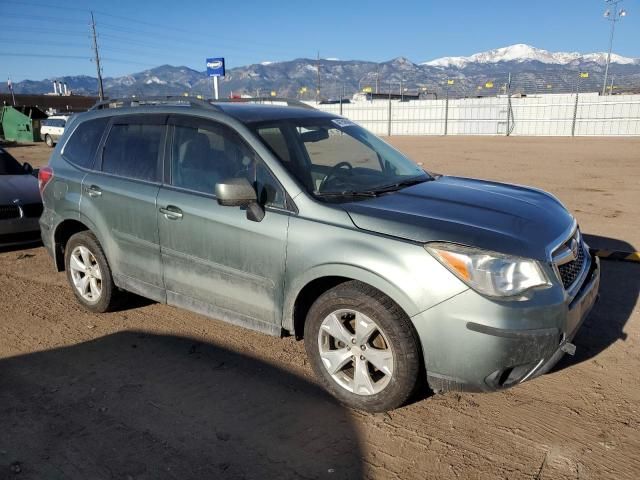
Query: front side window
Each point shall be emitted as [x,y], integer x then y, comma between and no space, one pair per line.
[206,153]
[330,157]
[131,151]
[81,147]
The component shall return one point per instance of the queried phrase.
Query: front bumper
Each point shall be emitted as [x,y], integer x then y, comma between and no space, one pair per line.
[472,343]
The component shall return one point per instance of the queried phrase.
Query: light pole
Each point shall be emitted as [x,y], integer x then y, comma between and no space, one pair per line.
[613,14]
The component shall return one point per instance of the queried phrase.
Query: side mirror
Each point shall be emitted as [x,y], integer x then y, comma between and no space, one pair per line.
[238,192]
[235,192]
[27,167]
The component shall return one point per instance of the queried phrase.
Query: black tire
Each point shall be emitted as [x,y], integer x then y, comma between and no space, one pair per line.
[49,141]
[396,327]
[109,295]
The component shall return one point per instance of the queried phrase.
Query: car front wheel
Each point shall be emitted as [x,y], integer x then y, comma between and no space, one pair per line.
[48,140]
[362,347]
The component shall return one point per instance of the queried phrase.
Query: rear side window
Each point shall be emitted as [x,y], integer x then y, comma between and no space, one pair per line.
[131,150]
[81,147]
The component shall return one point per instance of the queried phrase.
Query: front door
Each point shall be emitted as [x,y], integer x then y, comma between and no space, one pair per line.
[215,260]
[119,197]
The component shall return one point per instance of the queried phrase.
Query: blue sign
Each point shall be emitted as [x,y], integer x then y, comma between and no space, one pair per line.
[215,67]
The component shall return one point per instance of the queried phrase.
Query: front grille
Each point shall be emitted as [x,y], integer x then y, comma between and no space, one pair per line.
[570,271]
[9,211]
[569,259]
[32,210]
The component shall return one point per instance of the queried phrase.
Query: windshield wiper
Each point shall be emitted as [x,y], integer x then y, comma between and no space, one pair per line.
[398,185]
[374,192]
[346,193]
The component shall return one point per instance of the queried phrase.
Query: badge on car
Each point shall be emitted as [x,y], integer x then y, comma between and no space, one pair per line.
[574,248]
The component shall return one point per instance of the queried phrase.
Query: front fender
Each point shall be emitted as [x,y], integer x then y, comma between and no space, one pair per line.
[402,270]
[352,272]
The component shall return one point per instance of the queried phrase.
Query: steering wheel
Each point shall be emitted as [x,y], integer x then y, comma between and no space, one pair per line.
[333,172]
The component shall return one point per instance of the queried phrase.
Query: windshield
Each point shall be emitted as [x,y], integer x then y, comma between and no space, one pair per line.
[334,156]
[9,165]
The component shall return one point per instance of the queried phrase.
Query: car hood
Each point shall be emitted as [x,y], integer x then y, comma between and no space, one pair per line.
[504,218]
[23,188]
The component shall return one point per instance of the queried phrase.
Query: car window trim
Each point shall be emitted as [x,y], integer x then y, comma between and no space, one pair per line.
[289,207]
[137,119]
[92,164]
[187,121]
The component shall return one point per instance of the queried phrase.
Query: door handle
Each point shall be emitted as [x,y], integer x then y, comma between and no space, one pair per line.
[171,212]
[93,191]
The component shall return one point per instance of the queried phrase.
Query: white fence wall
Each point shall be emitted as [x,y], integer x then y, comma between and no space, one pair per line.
[551,115]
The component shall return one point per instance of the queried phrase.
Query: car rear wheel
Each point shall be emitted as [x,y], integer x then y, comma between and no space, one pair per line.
[89,274]
[48,140]
[362,347]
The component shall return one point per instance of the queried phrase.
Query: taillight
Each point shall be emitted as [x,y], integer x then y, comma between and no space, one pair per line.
[45,174]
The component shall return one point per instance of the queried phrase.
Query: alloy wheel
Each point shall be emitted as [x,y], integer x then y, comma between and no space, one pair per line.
[85,273]
[355,351]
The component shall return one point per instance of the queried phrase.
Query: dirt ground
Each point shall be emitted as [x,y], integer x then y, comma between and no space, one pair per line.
[155,392]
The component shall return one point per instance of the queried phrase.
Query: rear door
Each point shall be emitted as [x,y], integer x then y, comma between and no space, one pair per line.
[120,199]
[215,260]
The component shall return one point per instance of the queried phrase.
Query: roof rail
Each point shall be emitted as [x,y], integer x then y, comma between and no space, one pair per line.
[176,100]
[289,102]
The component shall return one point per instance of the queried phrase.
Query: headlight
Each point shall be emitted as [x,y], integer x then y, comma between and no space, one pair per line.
[490,273]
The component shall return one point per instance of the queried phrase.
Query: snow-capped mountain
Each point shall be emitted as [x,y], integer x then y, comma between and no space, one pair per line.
[526,53]
[531,70]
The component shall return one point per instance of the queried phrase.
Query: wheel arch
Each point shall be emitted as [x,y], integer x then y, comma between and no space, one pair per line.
[63,232]
[320,279]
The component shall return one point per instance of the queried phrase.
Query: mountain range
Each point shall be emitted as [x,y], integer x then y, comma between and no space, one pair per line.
[531,70]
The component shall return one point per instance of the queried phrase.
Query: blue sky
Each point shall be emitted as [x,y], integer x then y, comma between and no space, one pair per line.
[138,34]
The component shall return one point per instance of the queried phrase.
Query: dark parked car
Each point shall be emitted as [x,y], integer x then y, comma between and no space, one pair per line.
[20,203]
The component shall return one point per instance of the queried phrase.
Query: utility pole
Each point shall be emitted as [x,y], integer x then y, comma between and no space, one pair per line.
[613,16]
[97,58]
[318,80]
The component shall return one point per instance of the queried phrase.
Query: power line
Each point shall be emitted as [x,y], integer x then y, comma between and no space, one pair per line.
[138,21]
[71,57]
[70,46]
[52,31]
[31,17]
[127,39]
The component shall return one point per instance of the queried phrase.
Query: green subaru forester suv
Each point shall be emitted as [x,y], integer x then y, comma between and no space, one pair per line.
[293,221]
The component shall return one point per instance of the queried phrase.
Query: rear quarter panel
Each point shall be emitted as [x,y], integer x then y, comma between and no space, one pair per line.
[62,195]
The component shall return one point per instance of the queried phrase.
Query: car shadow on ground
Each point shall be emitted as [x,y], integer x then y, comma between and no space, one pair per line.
[14,144]
[136,405]
[23,246]
[619,290]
